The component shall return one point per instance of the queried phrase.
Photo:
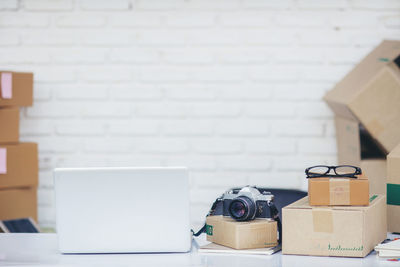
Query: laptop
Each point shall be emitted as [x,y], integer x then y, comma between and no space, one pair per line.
[122,210]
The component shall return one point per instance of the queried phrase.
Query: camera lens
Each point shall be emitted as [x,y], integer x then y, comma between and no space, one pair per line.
[238,209]
[242,208]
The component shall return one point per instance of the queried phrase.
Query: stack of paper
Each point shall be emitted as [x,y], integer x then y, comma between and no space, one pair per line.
[215,248]
[389,250]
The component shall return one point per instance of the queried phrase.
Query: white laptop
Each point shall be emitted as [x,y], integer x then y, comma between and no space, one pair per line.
[122,210]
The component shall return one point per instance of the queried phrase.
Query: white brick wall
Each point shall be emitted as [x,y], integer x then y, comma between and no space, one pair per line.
[230,88]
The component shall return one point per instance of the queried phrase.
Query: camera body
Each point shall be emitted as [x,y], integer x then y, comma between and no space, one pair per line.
[248,203]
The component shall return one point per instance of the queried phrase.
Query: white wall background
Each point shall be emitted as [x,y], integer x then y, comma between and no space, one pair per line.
[230,88]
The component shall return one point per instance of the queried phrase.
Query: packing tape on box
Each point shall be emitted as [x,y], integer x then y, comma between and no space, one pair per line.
[393,194]
[322,220]
[339,191]
[3,160]
[6,85]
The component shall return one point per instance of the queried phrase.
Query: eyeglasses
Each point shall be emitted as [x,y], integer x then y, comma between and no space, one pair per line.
[348,171]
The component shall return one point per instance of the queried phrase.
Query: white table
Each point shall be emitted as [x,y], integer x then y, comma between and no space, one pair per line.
[41,250]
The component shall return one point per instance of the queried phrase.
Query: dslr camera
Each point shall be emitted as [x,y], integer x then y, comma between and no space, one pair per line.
[249,203]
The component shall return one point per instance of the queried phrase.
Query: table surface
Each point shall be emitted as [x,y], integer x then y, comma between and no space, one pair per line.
[41,250]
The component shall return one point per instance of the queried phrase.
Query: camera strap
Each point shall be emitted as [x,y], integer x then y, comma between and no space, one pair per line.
[275,213]
[211,212]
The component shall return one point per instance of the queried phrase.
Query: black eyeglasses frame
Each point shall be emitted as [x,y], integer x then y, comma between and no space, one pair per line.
[357,171]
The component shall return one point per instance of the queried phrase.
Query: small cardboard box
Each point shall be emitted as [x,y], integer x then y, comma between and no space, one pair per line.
[370,94]
[18,203]
[393,190]
[259,233]
[338,191]
[19,165]
[9,121]
[356,147]
[344,231]
[16,88]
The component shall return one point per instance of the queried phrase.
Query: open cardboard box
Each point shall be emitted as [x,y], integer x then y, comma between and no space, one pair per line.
[345,231]
[370,95]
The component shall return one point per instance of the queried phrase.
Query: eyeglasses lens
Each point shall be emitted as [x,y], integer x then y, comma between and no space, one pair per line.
[318,170]
[345,170]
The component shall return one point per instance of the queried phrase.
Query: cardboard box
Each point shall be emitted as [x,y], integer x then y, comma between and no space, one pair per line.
[338,191]
[16,88]
[393,190]
[20,167]
[370,94]
[9,124]
[345,231]
[375,170]
[356,147]
[18,203]
[259,233]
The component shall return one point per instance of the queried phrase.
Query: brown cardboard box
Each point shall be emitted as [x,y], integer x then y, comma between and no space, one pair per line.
[22,89]
[345,231]
[9,124]
[338,191]
[370,94]
[259,233]
[22,166]
[356,147]
[393,190]
[18,203]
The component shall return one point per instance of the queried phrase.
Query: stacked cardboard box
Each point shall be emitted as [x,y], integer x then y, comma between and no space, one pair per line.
[337,218]
[328,191]
[18,161]
[367,114]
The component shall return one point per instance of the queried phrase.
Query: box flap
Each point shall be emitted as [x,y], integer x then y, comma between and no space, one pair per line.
[395,152]
[355,80]
[376,107]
